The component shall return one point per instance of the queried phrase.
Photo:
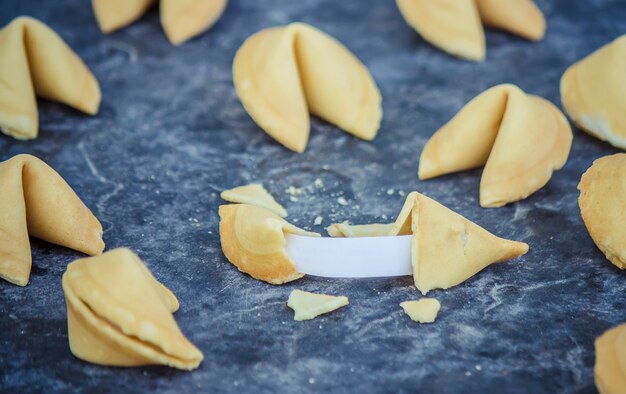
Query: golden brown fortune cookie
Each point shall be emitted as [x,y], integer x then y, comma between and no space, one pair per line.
[36,201]
[181,19]
[593,92]
[519,138]
[118,314]
[283,73]
[610,367]
[602,205]
[253,240]
[36,62]
[455,25]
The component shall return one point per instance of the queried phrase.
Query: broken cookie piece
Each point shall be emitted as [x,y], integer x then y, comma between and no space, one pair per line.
[593,93]
[610,367]
[422,311]
[253,240]
[118,314]
[181,19]
[519,138]
[254,194]
[446,248]
[602,196]
[36,62]
[345,229]
[310,305]
[36,201]
[284,74]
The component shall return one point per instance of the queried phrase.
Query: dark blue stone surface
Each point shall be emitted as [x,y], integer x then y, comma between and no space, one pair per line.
[171,134]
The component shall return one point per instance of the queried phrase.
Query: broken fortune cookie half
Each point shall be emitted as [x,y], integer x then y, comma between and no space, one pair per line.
[181,19]
[118,314]
[610,367]
[446,248]
[35,200]
[519,138]
[602,203]
[593,93]
[253,240]
[282,74]
[36,62]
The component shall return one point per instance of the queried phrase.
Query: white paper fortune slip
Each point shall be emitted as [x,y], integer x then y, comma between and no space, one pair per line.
[358,257]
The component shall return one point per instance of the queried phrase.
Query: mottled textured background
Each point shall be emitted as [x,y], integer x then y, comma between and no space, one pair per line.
[171,134]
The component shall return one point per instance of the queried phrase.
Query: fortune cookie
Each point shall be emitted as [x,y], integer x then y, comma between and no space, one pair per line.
[452,25]
[253,240]
[282,74]
[308,306]
[35,200]
[35,61]
[520,17]
[610,368]
[118,314]
[602,205]
[254,194]
[446,248]
[181,19]
[519,138]
[455,25]
[593,93]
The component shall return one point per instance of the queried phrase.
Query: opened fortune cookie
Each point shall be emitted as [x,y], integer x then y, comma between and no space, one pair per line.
[593,92]
[455,25]
[602,205]
[181,19]
[282,74]
[36,201]
[118,314]
[519,138]
[439,247]
[35,61]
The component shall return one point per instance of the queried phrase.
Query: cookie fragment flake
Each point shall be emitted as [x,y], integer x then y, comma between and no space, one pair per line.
[254,194]
[422,311]
[307,305]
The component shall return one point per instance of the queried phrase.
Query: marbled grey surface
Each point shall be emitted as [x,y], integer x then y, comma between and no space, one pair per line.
[171,134]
